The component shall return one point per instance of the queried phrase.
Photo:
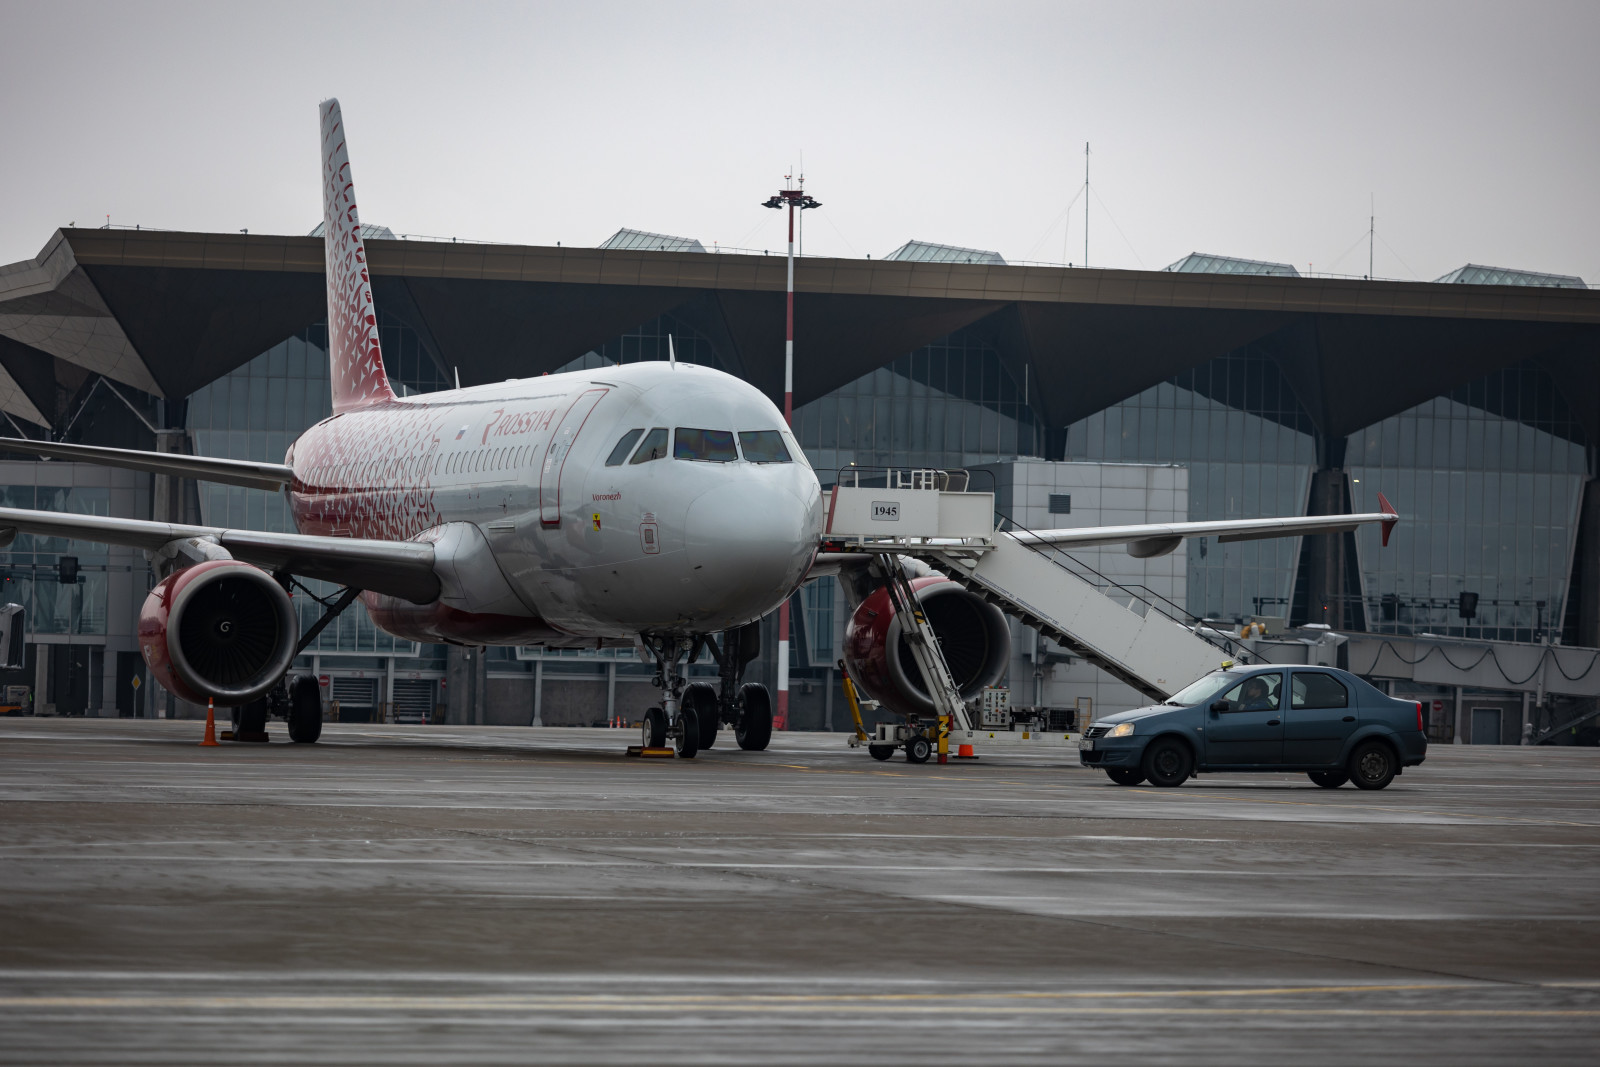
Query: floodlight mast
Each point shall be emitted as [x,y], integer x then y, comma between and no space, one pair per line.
[795,200]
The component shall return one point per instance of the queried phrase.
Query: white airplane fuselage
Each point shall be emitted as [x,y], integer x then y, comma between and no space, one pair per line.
[546,540]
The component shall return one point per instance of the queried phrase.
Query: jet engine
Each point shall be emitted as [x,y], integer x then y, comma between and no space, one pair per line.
[972,632]
[219,630]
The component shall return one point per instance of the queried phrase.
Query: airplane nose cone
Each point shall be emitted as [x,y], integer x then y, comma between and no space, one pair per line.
[749,546]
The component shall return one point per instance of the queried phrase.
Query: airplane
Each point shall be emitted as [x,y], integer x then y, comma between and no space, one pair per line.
[663,506]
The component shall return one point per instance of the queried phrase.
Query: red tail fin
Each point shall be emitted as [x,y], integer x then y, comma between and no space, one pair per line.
[355,361]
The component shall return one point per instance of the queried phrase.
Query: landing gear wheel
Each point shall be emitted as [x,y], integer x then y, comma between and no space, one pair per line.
[880,752]
[654,729]
[305,710]
[702,697]
[1328,779]
[1167,762]
[1372,765]
[754,730]
[688,739]
[1124,775]
[918,750]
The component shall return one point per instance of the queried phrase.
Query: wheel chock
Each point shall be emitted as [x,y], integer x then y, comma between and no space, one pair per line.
[211,726]
[652,753]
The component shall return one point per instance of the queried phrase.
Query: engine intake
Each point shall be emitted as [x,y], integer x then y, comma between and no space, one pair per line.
[219,630]
[972,632]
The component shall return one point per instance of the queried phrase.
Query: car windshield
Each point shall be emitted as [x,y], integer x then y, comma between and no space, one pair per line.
[763,446]
[714,446]
[1204,689]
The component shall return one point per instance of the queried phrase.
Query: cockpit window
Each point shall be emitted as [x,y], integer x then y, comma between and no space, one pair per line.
[763,446]
[654,446]
[715,446]
[624,446]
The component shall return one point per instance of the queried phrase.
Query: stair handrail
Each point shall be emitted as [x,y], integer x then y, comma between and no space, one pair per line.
[1154,600]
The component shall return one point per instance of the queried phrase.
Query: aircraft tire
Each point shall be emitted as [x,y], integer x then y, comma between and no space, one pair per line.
[702,697]
[754,731]
[305,710]
[688,739]
[654,729]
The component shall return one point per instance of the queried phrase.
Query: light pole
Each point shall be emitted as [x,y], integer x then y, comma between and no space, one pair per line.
[795,200]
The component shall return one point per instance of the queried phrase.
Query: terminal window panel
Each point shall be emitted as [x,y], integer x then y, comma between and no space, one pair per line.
[1489,478]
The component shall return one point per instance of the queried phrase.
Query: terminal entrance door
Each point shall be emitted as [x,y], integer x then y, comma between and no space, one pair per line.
[1486,726]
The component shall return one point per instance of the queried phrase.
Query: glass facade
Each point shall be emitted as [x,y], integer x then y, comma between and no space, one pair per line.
[1489,479]
[952,403]
[1250,450]
[30,567]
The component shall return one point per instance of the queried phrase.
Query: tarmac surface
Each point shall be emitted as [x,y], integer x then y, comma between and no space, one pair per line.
[426,895]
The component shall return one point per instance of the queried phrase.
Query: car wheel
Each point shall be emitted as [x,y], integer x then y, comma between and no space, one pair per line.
[880,752]
[1124,775]
[1328,779]
[1167,762]
[1372,765]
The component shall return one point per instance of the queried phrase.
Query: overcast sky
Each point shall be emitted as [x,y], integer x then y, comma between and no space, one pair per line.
[1250,129]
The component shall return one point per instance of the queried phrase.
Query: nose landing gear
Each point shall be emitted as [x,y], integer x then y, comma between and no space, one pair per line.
[675,719]
[691,713]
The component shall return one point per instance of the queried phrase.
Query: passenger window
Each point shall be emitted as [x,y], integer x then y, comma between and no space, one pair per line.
[1257,693]
[624,446]
[654,446]
[763,446]
[1312,690]
[712,446]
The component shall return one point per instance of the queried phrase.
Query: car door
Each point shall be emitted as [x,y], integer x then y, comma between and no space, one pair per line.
[1248,731]
[1321,716]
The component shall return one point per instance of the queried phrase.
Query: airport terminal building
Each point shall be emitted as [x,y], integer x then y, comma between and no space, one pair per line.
[1219,388]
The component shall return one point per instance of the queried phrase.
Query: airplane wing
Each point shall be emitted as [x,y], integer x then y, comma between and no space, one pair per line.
[399,568]
[243,472]
[1156,539]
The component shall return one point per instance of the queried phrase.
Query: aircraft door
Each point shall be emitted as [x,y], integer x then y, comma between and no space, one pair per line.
[555,456]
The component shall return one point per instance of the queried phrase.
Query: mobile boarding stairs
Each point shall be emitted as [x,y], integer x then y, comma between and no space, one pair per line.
[1129,632]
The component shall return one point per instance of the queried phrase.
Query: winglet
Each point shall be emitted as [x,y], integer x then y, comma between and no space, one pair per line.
[1388,524]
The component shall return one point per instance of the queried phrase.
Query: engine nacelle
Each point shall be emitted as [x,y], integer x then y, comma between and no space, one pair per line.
[972,632]
[220,630]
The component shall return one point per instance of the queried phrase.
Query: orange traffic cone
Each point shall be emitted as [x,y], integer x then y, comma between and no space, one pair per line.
[211,726]
[965,752]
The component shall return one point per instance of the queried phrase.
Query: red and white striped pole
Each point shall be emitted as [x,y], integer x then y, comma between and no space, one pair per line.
[795,200]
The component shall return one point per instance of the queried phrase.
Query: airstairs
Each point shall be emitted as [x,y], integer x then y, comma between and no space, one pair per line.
[1128,631]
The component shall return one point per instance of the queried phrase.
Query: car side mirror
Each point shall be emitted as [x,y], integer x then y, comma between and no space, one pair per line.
[1221,705]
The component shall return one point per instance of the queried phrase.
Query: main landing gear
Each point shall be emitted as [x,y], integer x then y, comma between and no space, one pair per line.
[691,713]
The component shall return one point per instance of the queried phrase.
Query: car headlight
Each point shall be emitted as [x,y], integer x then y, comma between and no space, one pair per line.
[1122,729]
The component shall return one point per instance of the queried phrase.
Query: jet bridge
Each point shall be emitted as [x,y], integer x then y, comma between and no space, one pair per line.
[1128,631]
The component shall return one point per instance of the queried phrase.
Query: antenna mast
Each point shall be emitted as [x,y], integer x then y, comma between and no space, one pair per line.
[1086,203]
[1372,229]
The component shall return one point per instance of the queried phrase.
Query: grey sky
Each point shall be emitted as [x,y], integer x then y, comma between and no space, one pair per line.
[1252,129]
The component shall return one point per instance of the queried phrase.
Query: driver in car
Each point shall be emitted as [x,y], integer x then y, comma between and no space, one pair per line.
[1254,696]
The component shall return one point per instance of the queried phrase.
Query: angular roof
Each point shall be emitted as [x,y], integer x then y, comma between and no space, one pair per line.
[1474,274]
[644,241]
[168,312]
[924,252]
[1205,263]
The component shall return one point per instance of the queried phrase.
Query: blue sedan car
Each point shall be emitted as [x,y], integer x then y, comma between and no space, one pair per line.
[1326,722]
